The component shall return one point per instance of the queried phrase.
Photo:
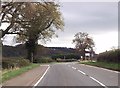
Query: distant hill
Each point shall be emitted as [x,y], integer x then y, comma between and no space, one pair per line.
[10,51]
[59,50]
[20,51]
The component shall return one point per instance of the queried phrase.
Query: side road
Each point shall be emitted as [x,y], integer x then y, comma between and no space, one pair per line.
[28,78]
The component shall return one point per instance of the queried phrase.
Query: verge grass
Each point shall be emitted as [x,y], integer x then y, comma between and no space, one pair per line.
[11,73]
[108,65]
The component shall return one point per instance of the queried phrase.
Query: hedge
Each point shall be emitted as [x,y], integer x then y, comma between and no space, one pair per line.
[43,60]
[109,56]
[14,63]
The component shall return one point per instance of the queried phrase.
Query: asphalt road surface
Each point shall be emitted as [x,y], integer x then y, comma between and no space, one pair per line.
[73,74]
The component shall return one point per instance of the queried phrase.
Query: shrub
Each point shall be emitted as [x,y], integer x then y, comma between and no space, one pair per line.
[14,63]
[23,62]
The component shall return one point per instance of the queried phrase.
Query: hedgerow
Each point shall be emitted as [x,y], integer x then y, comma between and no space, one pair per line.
[109,56]
[14,63]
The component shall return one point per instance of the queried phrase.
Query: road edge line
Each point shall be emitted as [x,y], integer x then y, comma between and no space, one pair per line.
[41,77]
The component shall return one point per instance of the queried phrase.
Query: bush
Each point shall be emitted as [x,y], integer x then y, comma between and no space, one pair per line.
[43,60]
[23,62]
[109,56]
[14,63]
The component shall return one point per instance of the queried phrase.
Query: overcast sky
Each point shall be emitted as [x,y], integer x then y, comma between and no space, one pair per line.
[98,19]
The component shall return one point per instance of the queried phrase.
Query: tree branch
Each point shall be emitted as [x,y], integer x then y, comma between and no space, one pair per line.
[16,33]
[8,28]
[49,24]
[12,22]
[13,33]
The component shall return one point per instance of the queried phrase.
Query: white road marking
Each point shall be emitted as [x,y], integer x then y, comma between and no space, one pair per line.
[93,79]
[73,67]
[44,65]
[82,72]
[98,82]
[41,77]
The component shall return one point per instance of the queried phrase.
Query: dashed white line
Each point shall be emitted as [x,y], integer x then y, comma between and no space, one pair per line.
[41,77]
[82,72]
[91,78]
[98,82]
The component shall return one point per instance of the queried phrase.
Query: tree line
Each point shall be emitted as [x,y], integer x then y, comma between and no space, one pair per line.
[65,56]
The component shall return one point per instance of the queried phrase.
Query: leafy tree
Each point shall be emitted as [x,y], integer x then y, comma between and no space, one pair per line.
[82,42]
[32,21]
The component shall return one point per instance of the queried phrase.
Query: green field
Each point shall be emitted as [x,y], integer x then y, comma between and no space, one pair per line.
[8,74]
[110,65]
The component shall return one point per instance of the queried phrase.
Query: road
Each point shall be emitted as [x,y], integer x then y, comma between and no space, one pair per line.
[73,74]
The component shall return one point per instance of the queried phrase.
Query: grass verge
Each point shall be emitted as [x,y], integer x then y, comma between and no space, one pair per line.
[110,65]
[8,74]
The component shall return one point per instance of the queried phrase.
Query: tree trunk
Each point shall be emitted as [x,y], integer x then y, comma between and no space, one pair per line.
[83,54]
[29,55]
[31,49]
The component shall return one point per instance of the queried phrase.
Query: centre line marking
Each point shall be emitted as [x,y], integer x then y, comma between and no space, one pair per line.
[93,79]
[41,77]
[99,82]
[82,72]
